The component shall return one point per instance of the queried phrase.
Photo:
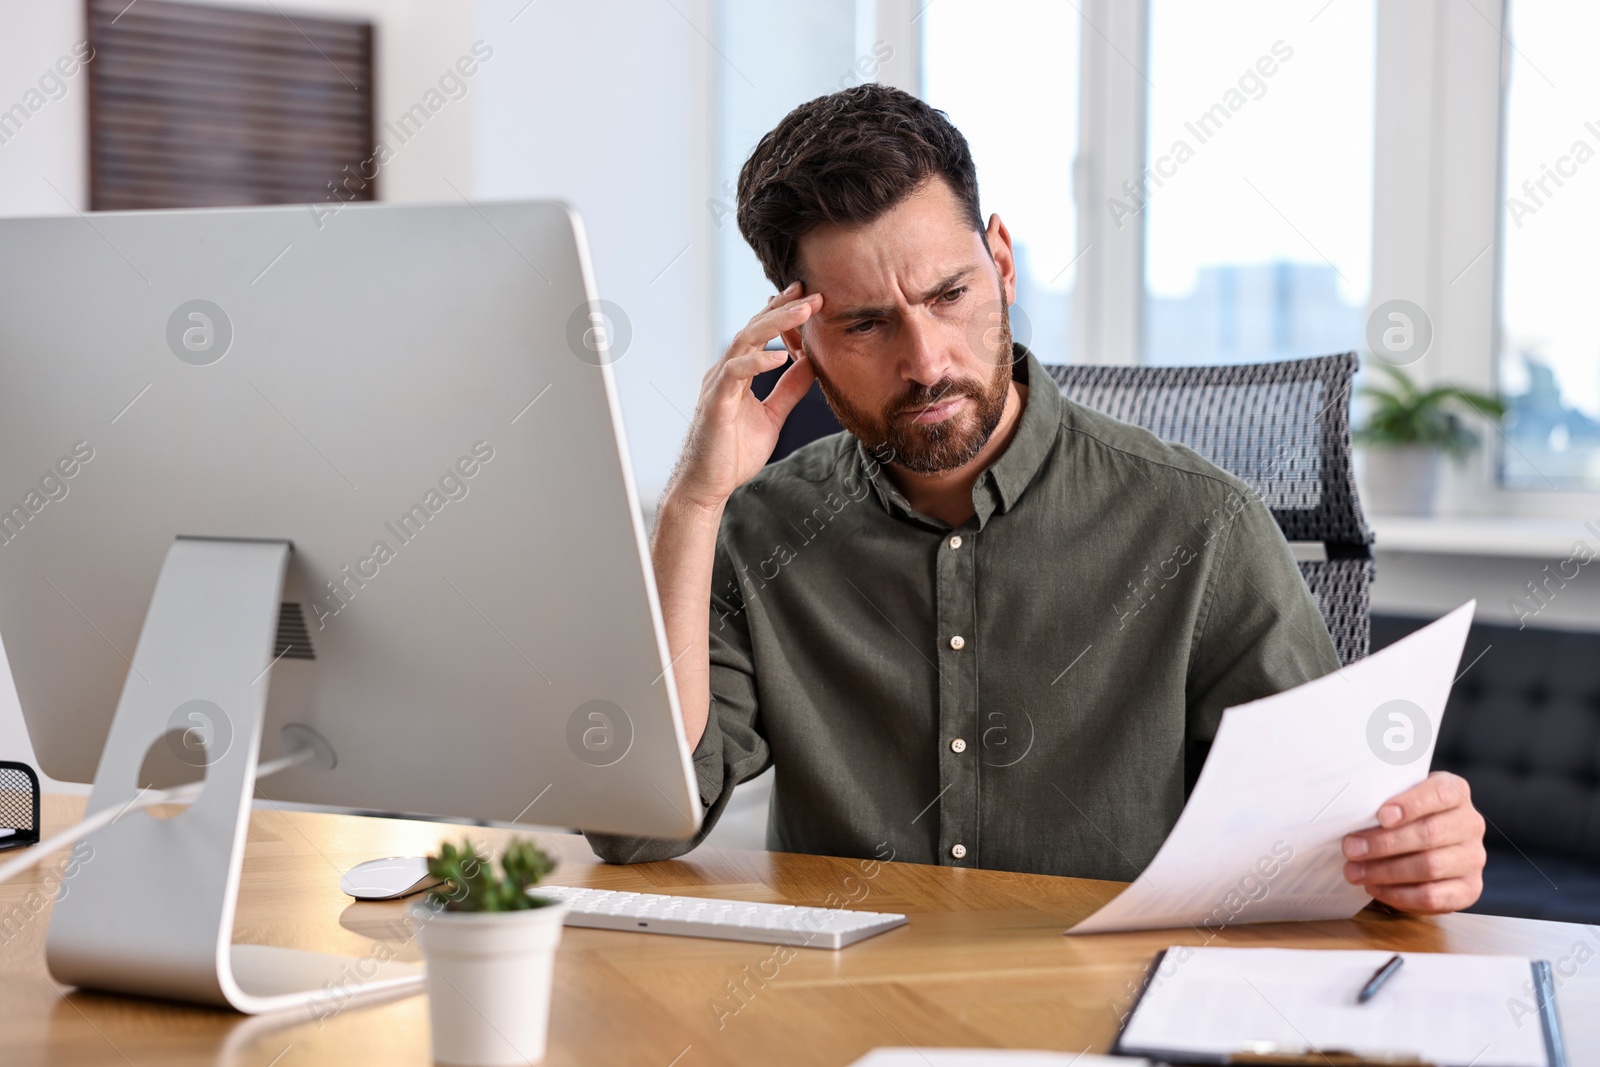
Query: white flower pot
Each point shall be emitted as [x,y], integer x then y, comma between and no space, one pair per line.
[1401,480]
[489,982]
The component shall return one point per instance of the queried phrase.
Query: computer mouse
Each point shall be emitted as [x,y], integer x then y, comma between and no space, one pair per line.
[388,879]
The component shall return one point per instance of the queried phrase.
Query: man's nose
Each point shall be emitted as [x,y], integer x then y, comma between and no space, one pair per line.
[926,356]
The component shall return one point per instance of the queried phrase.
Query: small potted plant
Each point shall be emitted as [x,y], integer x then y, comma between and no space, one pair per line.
[1405,432]
[490,950]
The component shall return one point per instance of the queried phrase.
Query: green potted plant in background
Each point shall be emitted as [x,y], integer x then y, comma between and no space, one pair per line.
[1407,429]
[490,950]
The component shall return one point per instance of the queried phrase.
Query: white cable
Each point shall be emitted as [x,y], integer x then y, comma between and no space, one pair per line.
[145,798]
[283,763]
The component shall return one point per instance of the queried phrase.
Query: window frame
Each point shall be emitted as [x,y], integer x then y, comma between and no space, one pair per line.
[1540,503]
[1438,217]
[1108,296]
[1438,190]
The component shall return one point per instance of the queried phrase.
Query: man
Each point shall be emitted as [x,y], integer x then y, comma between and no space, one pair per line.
[985,626]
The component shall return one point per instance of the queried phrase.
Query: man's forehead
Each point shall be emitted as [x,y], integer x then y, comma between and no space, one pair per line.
[910,269]
[845,303]
[913,245]
[888,283]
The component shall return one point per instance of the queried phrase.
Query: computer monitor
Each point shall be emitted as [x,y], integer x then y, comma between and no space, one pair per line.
[397,422]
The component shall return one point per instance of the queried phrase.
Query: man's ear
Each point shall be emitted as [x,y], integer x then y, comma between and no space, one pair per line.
[1005,261]
[791,341]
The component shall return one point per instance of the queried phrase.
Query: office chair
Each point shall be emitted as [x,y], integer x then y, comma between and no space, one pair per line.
[1284,428]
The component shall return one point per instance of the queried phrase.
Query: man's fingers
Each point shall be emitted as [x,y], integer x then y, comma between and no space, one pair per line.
[769,324]
[1426,854]
[1440,791]
[792,385]
[1434,813]
[1431,898]
[792,288]
[1436,864]
[741,369]
[1441,829]
[752,340]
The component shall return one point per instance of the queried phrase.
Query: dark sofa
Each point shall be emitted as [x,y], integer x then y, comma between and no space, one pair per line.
[1523,728]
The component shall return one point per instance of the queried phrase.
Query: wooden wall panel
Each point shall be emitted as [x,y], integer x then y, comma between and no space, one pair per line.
[194,106]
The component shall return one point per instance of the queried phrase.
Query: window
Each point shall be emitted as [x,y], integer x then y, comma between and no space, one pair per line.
[1006,72]
[1549,343]
[1257,197]
[770,58]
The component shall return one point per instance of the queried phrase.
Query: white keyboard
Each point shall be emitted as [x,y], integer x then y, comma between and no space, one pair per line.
[732,920]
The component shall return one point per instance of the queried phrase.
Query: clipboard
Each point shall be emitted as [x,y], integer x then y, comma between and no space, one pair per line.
[1543,1005]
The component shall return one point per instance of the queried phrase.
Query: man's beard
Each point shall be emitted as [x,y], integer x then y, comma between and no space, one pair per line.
[940,446]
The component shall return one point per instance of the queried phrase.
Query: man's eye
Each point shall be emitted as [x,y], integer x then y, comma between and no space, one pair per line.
[951,296]
[861,327]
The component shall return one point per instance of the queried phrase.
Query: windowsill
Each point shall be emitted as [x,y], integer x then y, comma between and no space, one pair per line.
[1525,538]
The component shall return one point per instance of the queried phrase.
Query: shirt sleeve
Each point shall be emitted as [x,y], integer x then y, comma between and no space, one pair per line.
[733,749]
[1260,629]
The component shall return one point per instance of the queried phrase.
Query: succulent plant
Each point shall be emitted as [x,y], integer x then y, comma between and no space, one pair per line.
[472,884]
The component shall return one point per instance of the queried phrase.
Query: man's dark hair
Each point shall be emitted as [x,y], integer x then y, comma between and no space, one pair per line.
[846,158]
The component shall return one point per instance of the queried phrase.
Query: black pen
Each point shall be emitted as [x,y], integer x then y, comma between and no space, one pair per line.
[1380,976]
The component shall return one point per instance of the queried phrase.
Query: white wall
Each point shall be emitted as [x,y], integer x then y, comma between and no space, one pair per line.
[50,148]
[1428,584]
[607,104]
[603,103]
[417,40]
[42,171]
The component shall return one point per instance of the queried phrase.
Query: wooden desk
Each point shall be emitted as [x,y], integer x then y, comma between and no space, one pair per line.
[982,962]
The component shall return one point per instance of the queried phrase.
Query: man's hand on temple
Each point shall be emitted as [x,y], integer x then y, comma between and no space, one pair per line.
[1426,854]
[732,433]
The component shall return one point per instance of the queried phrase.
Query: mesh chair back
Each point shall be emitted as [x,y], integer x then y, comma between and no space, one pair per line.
[19,805]
[1284,429]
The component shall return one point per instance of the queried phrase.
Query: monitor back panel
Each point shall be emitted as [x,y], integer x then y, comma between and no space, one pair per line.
[411,395]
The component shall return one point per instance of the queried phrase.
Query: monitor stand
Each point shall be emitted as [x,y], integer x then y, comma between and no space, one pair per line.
[151,911]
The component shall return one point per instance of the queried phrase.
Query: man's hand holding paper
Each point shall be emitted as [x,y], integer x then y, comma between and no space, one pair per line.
[1426,853]
[1295,780]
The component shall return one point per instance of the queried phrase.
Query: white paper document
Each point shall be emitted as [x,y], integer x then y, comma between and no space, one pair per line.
[986,1057]
[1288,776]
[1444,1009]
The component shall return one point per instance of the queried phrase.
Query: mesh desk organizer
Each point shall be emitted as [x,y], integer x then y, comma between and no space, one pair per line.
[19,806]
[1284,428]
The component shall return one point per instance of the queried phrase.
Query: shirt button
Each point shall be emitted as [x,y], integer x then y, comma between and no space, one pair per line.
[958,745]
[958,851]
[958,642]
[955,542]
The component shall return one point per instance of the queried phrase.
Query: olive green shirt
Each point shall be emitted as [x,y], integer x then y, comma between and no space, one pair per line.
[1031,691]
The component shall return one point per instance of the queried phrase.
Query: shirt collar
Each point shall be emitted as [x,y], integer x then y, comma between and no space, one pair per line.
[1000,486]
